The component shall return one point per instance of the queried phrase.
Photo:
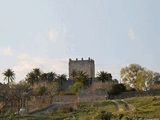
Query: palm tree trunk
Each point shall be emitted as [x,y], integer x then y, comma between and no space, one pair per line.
[11,104]
[18,105]
[27,108]
[8,81]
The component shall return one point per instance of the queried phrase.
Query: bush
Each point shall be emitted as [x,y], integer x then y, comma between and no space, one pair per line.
[117,89]
[121,116]
[125,118]
[65,109]
[65,93]
[131,89]
[74,88]
[104,116]
[41,90]
[62,93]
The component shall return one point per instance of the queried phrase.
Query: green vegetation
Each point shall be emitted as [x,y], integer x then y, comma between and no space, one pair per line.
[140,78]
[137,107]
[74,88]
[9,75]
[104,76]
[80,76]
[37,90]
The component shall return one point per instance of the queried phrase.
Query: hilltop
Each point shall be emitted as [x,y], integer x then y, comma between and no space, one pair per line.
[129,108]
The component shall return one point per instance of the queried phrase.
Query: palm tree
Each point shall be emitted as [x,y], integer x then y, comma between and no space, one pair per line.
[51,76]
[9,75]
[61,79]
[73,73]
[37,73]
[44,77]
[31,78]
[82,77]
[104,76]
[20,94]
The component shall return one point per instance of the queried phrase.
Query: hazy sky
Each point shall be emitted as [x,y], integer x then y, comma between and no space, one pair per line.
[46,33]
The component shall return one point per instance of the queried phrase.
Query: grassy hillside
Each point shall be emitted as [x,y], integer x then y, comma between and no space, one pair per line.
[137,107]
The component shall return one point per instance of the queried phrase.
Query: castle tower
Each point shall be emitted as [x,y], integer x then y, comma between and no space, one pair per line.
[86,66]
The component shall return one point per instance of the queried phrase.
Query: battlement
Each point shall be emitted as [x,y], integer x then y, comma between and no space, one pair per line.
[89,59]
[86,66]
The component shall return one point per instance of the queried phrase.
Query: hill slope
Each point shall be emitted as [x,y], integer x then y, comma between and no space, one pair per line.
[137,107]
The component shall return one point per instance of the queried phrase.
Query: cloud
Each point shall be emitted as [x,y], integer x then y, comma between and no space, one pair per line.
[52,35]
[114,69]
[28,63]
[131,34]
[6,51]
[41,40]
[65,29]
[2,32]
[23,56]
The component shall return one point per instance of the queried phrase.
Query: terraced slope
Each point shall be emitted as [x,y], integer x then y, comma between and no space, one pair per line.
[136,107]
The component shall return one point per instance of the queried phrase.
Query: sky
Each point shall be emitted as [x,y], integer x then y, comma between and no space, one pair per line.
[46,33]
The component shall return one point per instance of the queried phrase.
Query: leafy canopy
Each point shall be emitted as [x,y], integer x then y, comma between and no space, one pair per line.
[137,77]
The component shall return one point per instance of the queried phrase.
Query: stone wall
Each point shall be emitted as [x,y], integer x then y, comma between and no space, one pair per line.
[66,84]
[136,94]
[65,98]
[83,96]
[100,94]
[88,96]
[82,65]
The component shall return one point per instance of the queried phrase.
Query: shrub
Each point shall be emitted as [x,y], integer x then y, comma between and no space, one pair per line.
[41,90]
[74,88]
[131,89]
[65,109]
[104,116]
[121,116]
[65,93]
[62,93]
[125,118]
[117,89]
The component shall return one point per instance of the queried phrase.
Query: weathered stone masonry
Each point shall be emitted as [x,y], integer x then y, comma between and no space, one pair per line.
[82,65]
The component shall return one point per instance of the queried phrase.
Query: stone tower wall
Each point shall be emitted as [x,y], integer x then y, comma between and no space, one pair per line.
[82,65]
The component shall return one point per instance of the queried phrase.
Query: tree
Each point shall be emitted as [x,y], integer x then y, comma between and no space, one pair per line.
[82,77]
[74,88]
[44,77]
[117,89]
[31,78]
[73,73]
[22,95]
[129,75]
[34,76]
[37,73]
[104,76]
[51,76]
[137,77]
[9,75]
[156,78]
[156,81]
[41,90]
[115,81]
[144,80]
[60,79]
[52,89]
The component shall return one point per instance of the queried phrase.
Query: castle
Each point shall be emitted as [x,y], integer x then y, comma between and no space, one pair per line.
[86,66]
